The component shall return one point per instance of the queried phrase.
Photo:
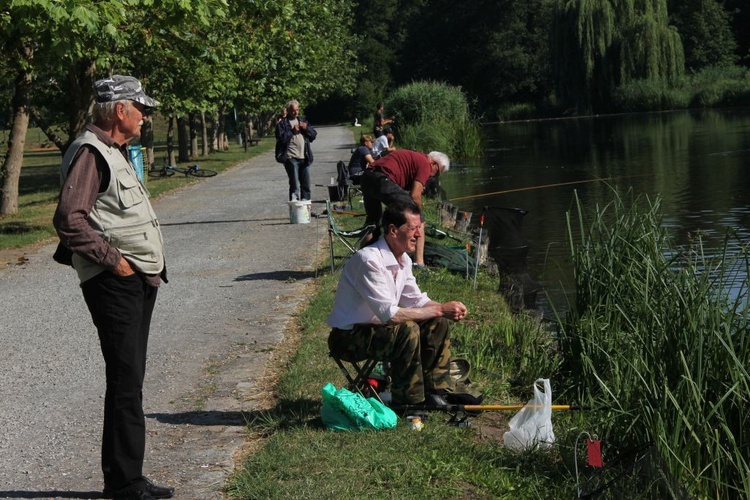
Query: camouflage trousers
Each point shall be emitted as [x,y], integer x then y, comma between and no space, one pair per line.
[419,353]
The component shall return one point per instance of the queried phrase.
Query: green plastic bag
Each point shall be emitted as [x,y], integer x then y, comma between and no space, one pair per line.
[344,410]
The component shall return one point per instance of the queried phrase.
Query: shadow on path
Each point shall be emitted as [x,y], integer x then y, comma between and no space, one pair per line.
[286,414]
[50,494]
[274,219]
[277,276]
[202,418]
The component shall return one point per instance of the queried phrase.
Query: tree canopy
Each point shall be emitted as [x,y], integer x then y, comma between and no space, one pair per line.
[202,56]
[212,57]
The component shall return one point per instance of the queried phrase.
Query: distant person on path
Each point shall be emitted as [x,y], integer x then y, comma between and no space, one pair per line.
[293,137]
[379,122]
[383,144]
[110,234]
[400,177]
[380,313]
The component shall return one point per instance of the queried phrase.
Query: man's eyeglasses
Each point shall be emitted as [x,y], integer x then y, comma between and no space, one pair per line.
[411,229]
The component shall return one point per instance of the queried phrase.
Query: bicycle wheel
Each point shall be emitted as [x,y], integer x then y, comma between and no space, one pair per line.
[202,172]
[161,173]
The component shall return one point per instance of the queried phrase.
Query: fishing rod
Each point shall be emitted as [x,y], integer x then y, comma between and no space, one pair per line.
[598,179]
[432,230]
[452,408]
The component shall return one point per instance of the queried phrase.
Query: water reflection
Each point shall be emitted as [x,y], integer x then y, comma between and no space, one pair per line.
[696,161]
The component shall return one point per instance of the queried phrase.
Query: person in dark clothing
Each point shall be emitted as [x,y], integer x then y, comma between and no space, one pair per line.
[362,156]
[379,121]
[293,137]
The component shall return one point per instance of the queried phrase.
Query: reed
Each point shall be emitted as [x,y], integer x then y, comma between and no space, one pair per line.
[657,342]
[434,116]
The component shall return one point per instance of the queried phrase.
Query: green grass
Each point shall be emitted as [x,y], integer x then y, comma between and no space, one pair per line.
[433,116]
[301,459]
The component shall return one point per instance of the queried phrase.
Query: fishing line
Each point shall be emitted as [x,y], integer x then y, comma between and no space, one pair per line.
[547,186]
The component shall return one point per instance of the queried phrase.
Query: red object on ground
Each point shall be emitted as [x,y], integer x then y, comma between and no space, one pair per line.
[595,452]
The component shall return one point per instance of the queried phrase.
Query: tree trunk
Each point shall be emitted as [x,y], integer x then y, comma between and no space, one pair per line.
[193,124]
[183,139]
[45,127]
[11,169]
[147,141]
[81,82]
[171,157]
[247,128]
[214,134]
[204,131]
[223,146]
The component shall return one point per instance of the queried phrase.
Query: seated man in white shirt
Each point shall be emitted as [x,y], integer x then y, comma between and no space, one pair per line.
[379,312]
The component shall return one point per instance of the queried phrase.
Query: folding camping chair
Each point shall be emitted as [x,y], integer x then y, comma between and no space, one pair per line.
[361,373]
[357,235]
[347,185]
[360,381]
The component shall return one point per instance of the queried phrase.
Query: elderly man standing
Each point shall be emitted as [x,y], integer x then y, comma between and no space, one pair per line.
[379,312]
[293,137]
[110,235]
[400,177]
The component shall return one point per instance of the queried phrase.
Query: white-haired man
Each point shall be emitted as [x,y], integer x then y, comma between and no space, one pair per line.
[400,177]
[110,235]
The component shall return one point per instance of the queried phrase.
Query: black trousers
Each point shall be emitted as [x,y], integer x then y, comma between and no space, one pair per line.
[377,188]
[121,308]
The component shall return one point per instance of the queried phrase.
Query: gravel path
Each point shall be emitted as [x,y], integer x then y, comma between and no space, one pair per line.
[238,270]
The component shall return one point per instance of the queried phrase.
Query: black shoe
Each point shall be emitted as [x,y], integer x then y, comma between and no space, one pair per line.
[143,487]
[462,398]
[135,495]
[435,399]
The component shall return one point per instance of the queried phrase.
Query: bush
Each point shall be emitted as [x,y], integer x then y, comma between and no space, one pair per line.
[517,111]
[435,116]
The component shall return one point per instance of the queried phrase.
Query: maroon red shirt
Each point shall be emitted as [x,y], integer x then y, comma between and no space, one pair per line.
[404,166]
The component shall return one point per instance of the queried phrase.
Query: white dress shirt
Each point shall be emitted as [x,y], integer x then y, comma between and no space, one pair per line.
[373,286]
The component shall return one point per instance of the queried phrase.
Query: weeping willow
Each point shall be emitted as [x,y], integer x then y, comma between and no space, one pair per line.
[600,44]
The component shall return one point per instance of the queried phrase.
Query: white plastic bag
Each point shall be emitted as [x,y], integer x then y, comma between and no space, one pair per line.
[532,426]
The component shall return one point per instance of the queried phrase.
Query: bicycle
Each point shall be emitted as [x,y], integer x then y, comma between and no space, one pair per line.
[193,170]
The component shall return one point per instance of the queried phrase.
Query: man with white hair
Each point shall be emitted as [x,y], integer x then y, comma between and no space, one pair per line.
[400,177]
[109,233]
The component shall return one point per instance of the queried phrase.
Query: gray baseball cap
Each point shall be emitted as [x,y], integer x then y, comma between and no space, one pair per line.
[119,87]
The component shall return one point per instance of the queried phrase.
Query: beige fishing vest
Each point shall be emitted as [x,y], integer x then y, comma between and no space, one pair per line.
[122,214]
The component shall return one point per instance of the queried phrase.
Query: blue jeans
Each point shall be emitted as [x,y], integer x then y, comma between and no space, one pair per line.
[298,172]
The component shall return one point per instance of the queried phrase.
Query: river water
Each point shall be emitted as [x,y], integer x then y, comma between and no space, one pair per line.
[697,162]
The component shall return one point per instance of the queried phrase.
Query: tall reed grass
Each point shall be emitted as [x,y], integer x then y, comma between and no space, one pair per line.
[659,345]
[434,116]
